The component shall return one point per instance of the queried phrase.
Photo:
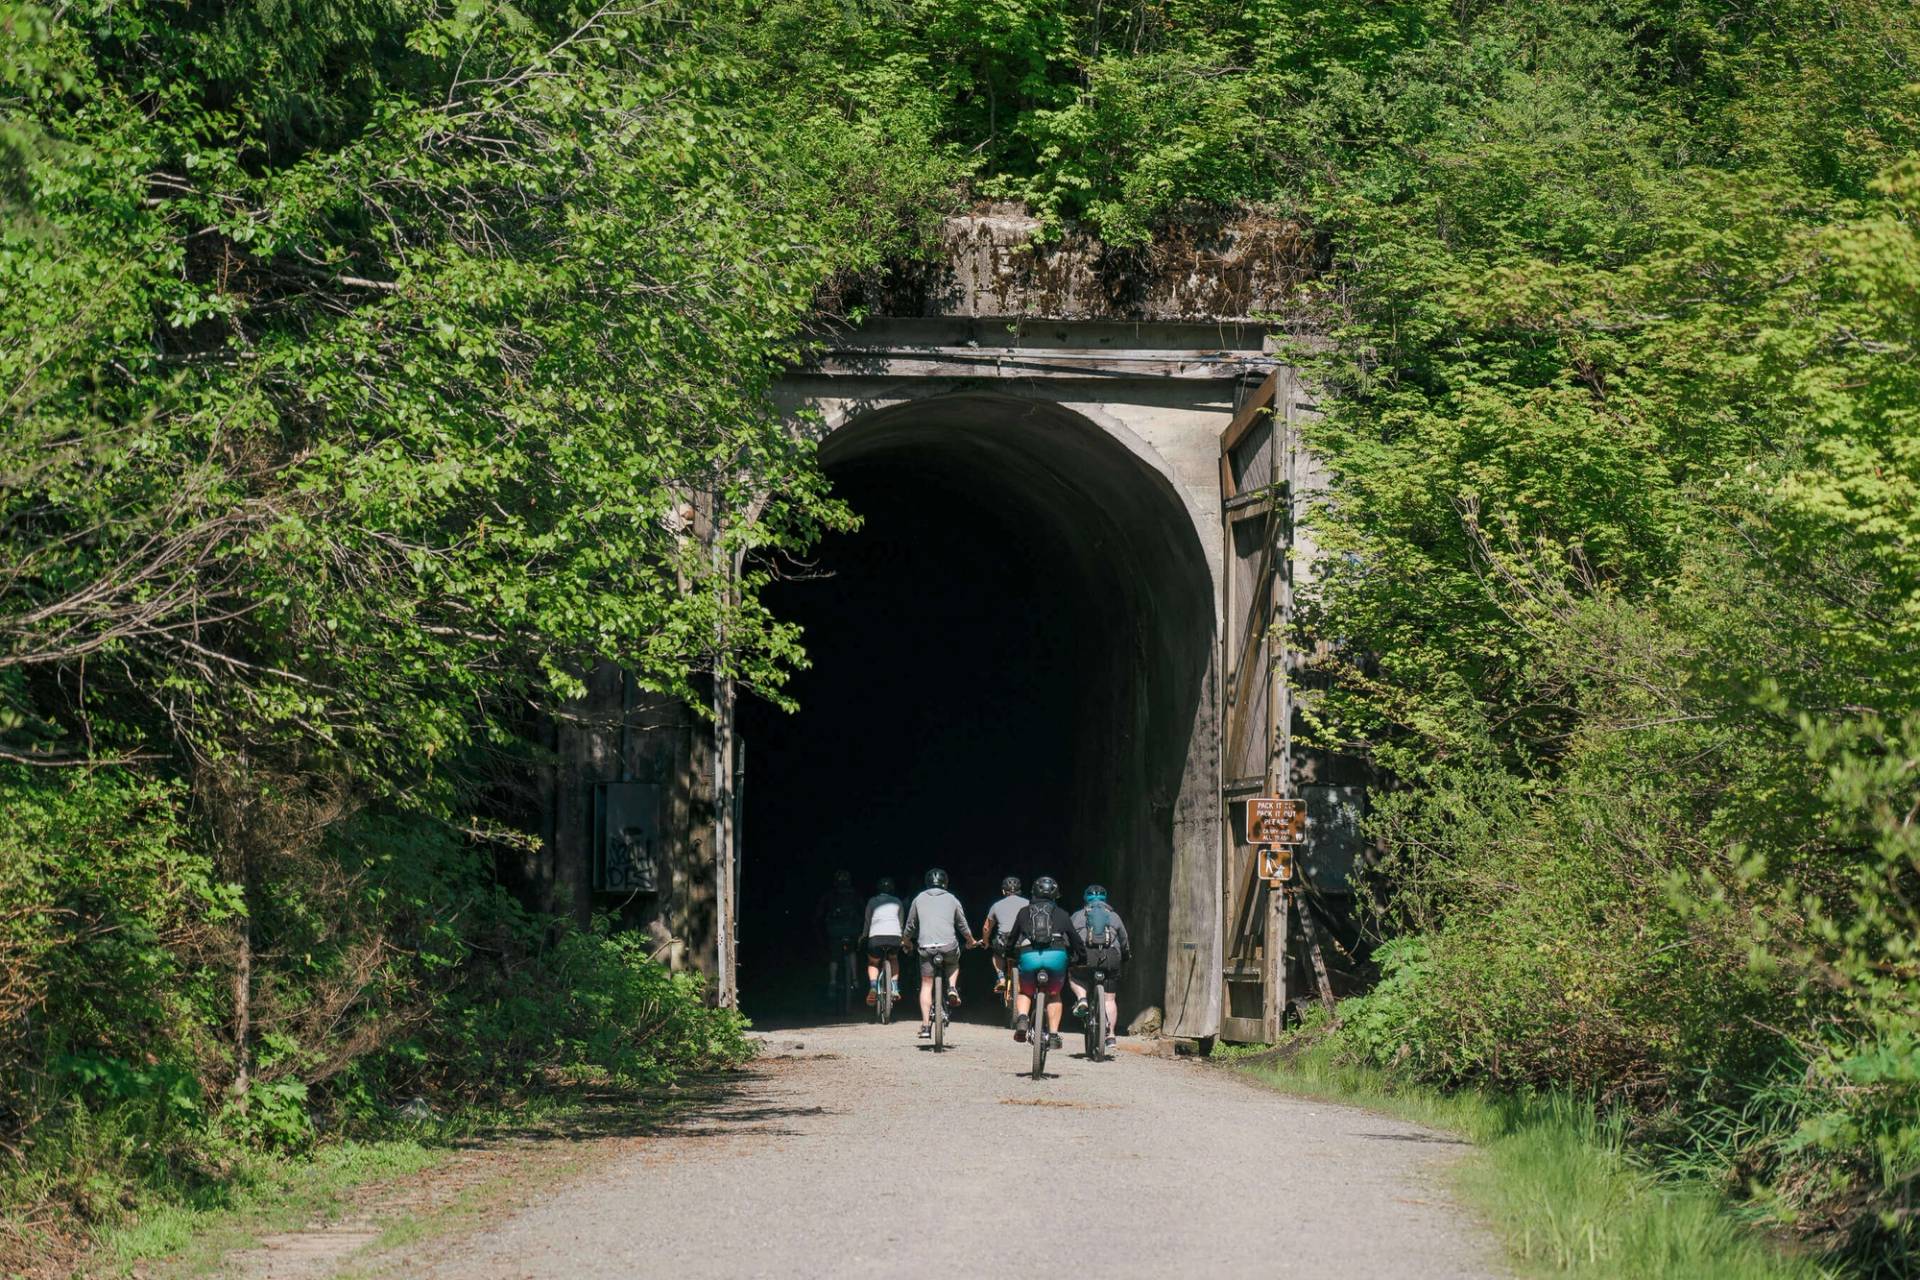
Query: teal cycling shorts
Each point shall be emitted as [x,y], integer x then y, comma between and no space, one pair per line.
[1054,961]
[1032,962]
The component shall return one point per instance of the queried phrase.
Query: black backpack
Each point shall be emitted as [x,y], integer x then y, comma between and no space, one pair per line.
[1040,932]
[843,917]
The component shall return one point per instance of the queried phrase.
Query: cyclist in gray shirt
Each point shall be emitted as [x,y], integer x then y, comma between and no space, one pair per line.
[935,926]
[998,926]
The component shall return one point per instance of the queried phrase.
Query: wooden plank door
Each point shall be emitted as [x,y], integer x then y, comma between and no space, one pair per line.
[1255,450]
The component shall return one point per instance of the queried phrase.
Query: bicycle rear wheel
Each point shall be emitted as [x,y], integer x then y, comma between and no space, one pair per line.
[1038,1034]
[1097,1023]
[1089,1032]
[940,1012]
[883,1003]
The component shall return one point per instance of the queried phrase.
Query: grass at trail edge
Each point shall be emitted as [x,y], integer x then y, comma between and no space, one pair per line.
[1553,1179]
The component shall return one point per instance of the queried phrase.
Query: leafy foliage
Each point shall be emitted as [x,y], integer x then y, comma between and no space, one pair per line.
[366,378]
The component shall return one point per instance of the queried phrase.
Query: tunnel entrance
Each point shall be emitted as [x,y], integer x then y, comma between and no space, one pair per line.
[1010,661]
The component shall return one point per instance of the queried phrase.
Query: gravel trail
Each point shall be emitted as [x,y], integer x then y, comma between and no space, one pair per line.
[852,1151]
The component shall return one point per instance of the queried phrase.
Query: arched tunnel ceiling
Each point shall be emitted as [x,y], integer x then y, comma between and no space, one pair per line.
[1122,520]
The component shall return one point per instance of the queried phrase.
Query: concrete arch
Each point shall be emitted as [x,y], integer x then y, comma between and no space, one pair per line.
[904,395]
[1117,529]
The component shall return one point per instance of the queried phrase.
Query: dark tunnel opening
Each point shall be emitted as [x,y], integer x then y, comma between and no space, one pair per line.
[1006,660]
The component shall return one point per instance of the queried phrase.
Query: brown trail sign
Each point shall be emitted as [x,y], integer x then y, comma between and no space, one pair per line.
[1276,820]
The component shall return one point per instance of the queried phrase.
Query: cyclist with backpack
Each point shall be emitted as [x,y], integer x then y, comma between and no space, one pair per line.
[886,924]
[1042,937]
[837,918]
[936,924]
[996,927]
[1104,937]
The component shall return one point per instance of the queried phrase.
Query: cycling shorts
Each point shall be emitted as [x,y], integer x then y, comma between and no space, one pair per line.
[1084,976]
[1054,962]
[880,948]
[945,960]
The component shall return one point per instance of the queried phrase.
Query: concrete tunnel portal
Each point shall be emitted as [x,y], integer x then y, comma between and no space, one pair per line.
[1010,670]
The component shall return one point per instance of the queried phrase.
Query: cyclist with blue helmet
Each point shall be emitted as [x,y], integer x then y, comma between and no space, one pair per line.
[1104,945]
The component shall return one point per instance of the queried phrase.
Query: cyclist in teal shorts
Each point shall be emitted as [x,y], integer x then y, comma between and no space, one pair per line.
[1042,938]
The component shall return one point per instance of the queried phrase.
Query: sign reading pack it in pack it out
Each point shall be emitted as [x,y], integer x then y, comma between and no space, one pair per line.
[1274,820]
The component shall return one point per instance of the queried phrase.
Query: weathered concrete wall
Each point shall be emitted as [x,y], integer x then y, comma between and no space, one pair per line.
[667,744]
[994,264]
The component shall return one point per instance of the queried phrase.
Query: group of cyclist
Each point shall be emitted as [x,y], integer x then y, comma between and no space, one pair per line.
[1029,936]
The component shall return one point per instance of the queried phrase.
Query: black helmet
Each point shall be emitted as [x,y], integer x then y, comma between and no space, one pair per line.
[1010,885]
[936,879]
[1095,893]
[1046,887]
[843,879]
[885,885]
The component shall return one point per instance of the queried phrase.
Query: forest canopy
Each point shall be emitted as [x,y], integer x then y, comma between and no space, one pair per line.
[368,367]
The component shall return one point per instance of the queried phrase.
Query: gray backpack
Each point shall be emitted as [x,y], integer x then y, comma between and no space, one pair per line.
[1103,938]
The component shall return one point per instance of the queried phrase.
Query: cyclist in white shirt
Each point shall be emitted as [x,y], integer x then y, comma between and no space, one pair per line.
[886,919]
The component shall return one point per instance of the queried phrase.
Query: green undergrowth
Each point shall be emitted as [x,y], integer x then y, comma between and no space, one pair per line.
[1555,1179]
[179,1238]
[173,1236]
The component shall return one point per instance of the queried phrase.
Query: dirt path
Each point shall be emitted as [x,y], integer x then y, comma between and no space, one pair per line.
[850,1151]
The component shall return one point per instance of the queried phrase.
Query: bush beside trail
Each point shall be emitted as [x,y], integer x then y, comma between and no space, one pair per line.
[113,956]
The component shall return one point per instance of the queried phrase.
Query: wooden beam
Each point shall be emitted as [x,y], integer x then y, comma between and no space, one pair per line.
[1275,1011]
[1024,363]
[1262,398]
[1319,957]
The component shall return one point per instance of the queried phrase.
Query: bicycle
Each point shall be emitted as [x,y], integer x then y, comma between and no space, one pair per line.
[1010,988]
[1037,1034]
[1095,1023]
[845,975]
[883,999]
[940,1010]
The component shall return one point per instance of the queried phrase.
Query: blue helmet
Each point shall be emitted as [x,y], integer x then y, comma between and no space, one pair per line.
[1095,893]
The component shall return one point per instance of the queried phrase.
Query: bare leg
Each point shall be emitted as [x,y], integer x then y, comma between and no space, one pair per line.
[1113,1014]
[1079,992]
[1023,1004]
[926,996]
[1054,1009]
